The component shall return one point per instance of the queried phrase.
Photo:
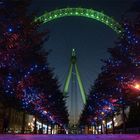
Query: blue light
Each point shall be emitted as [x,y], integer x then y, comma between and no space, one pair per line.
[36,66]
[10,30]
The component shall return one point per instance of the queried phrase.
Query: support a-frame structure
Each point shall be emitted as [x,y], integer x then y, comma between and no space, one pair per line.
[74,65]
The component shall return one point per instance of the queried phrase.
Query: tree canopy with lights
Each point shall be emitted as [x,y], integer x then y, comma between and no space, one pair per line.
[25,75]
[118,84]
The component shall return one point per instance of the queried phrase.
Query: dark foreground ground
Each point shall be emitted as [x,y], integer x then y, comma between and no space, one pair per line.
[70,137]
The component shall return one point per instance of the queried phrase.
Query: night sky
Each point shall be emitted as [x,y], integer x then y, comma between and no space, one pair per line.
[89,37]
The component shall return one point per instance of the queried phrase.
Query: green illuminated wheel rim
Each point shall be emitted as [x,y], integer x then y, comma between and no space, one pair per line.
[83,12]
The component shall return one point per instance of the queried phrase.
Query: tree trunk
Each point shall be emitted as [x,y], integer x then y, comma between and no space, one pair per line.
[95,129]
[123,119]
[88,127]
[101,128]
[35,127]
[23,123]
[47,128]
[42,127]
[51,129]
[5,119]
[113,127]
[106,131]
[9,118]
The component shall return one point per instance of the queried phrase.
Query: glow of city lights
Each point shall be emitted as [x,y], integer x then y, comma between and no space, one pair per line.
[137,86]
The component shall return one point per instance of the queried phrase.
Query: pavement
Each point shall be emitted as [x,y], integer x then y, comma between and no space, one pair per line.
[70,137]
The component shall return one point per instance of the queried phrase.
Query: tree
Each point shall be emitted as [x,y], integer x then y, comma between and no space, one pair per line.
[117,86]
[24,72]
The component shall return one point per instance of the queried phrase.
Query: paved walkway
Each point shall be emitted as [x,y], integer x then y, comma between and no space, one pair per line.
[70,137]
